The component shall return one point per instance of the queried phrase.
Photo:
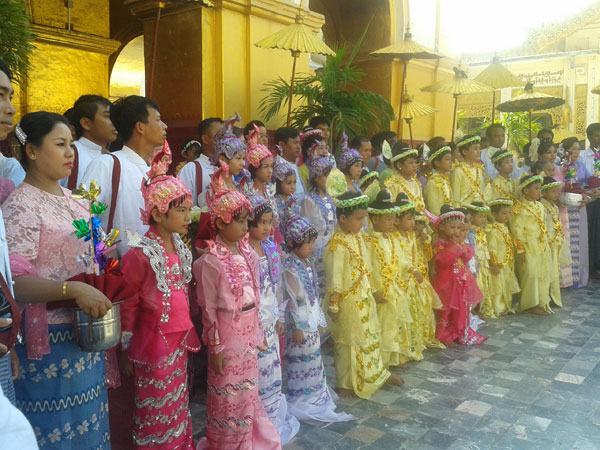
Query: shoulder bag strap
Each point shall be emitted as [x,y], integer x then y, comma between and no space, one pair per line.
[116,179]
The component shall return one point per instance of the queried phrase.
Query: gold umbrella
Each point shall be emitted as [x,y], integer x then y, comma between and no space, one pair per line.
[530,101]
[497,76]
[457,85]
[412,109]
[298,38]
[405,50]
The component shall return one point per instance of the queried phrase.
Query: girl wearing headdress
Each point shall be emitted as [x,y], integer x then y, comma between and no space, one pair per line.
[454,282]
[403,176]
[467,178]
[319,209]
[437,190]
[229,295]
[550,193]
[503,283]
[157,330]
[503,186]
[284,177]
[308,395]
[349,301]
[230,157]
[351,165]
[314,146]
[391,280]
[534,258]
[259,164]
[425,299]
[272,317]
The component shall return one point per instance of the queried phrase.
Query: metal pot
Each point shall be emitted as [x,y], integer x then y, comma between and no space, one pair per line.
[98,335]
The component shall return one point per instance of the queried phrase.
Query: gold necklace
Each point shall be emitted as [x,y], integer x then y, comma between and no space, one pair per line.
[442,182]
[537,217]
[418,200]
[473,181]
[507,195]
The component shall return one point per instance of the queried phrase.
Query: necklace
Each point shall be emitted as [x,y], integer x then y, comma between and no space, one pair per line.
[388,265]
[509,252]
[474,180]
[442,182]
[415,195]
[536,213]
[359,270]
[505,194]
[552,210]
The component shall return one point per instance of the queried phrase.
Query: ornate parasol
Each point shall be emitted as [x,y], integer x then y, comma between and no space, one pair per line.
[530,101]
[405,50]
[298,38]
[497,76]
[457,85]
[412,109]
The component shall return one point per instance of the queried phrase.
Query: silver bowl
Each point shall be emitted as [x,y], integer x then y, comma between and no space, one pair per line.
[98,335]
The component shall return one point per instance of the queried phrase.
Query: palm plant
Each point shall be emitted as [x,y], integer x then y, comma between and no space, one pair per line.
[16,37]
[517,129]
[331,92]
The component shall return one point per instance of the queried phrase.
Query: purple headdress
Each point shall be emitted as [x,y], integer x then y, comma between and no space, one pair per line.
[282,170]
[259,205]
[319,166]
[298,229]
[226,143]
[348,158]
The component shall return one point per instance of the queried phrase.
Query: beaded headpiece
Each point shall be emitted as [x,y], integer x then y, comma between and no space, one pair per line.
[160,190]
[190,144]
[403,204]
[500,155]
[439,152]
[282,170]
[336,186]
[468,141]
[500,201]
[366,176]
[551,185]
[308,132]
[226,204]
[319,166]
[20,134]
[383,204]
[369,183]
[421,218]
[397,155]
[257,153]
[524,181]
[348,158]
[475,208]
[449,216]
[258,205]
[298,229]
[227,143]
[313,149]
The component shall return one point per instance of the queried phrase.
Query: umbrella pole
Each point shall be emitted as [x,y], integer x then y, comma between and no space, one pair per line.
[159,6]
[454,116]
[493,105]
[409,123]
[289,114]
[405,64]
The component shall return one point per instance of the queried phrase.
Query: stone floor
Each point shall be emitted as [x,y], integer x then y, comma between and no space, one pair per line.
[535,384]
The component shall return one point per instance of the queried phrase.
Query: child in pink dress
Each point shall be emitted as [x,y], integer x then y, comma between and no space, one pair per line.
[453,281]
[157,330]
[228,293]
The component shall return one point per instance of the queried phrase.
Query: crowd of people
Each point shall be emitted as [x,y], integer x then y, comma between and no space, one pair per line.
[252,258]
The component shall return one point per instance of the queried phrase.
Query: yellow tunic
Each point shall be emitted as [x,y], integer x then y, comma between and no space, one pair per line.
[500,187]
[528,226]
[505,284]
[437,192]
[426,300]
[467,183]
[390,277]
[396,183]
[356,331]
[482,255]
[556,237]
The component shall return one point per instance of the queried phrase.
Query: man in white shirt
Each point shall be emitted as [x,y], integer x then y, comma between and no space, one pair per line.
[137,119]
[198,182]
[496,137]
[14,427]
[12,169]
[288,142]
[586,157]
[94,131]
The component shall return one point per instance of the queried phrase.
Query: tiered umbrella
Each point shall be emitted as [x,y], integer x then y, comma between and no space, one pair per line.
[497,76]
[412,109]
[457,85]
[530,101]
[405,50]
[297,38]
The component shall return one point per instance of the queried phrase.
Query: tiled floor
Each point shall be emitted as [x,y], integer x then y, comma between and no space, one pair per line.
[535,384]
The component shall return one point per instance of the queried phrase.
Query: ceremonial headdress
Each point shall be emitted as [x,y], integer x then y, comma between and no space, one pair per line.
[550,183]
[227,143]
[282,170]
[226,204]
[500,154]
[336,186]
[160,190]
[258,205]
[349,157]
[319,166]
[257,153]
[477,208]
[430,156]
[298,229]
[398,153]
[526,179]
[404,204]
[383,204]
[468,140]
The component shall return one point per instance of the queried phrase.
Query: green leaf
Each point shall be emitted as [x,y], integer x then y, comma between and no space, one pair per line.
[16,38]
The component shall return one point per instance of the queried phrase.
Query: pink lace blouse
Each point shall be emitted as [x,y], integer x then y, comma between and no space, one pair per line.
[40,239]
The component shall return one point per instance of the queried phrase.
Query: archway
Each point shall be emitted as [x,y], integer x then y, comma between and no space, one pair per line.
[128,76]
